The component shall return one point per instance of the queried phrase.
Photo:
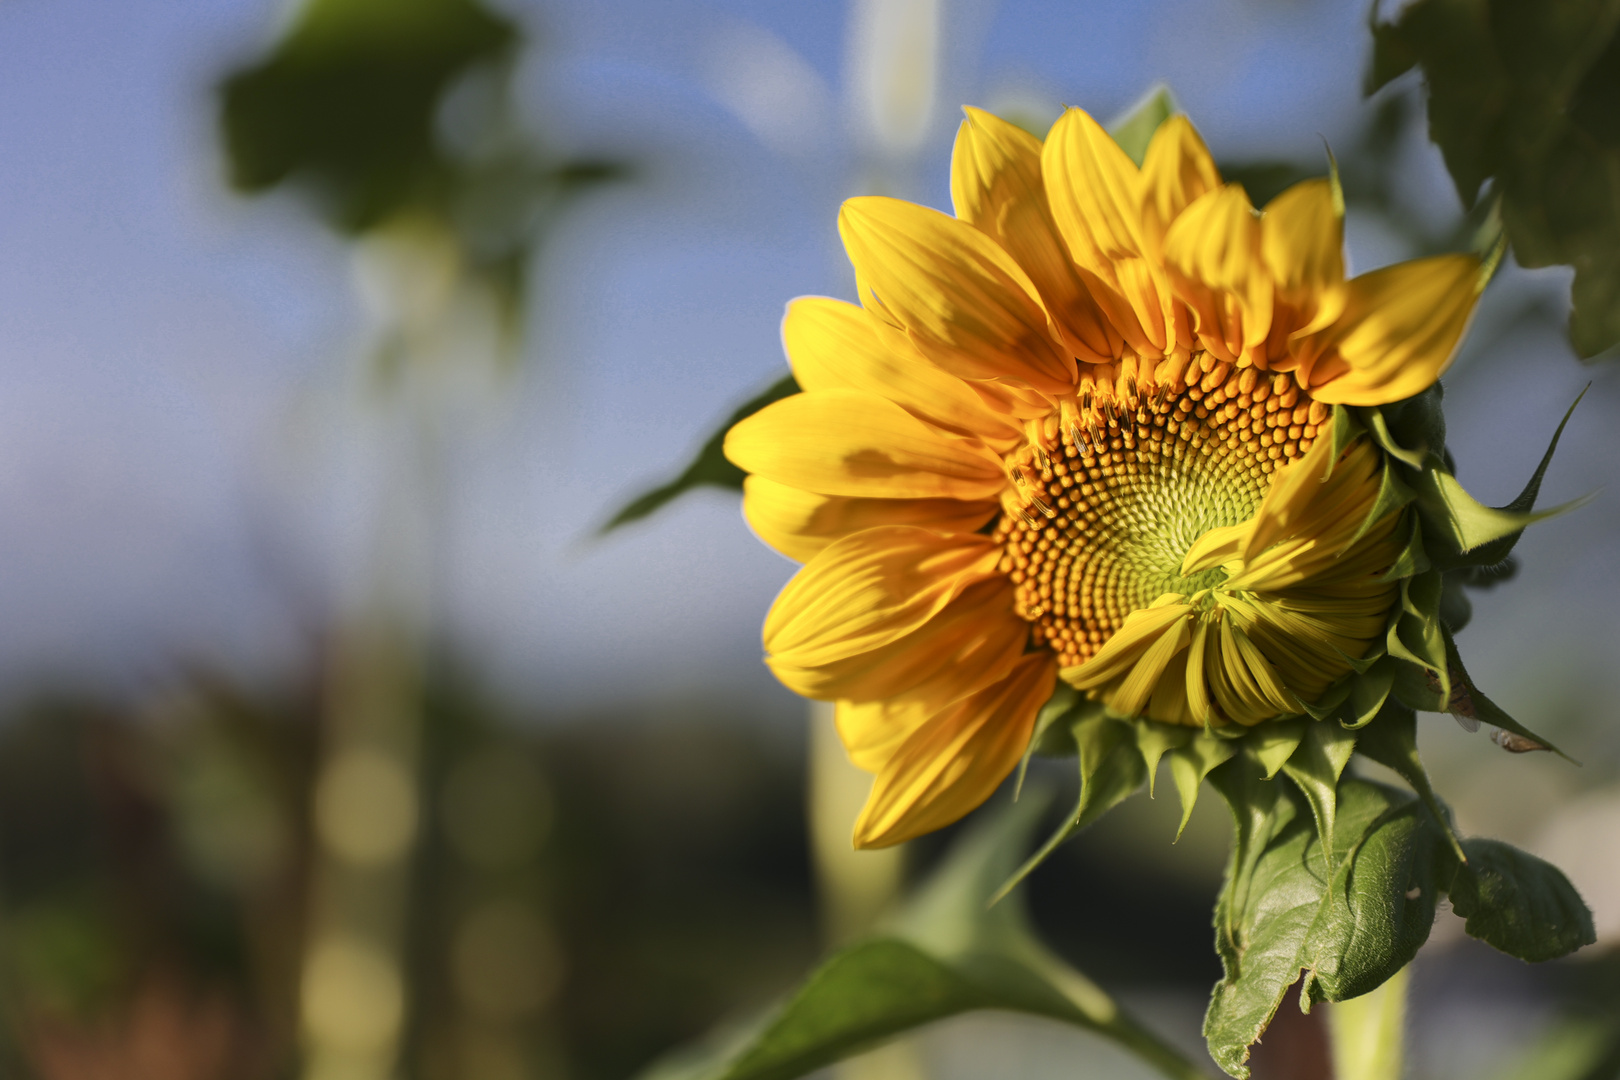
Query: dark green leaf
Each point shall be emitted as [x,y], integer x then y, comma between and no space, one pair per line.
[1519,904]
[1391,740]
[1525,95]
[709,469]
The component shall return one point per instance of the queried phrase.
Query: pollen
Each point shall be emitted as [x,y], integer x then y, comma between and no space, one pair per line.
[1103,505]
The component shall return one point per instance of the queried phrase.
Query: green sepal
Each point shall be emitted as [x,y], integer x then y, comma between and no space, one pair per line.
[1154,740]
[1133,130]
[1464,531]
[1393,494]
[1412,426]
[1111,769]
[1465,698]
[1051,737]
[1328,704]
[1345,428]
[1495,551]
[1378,425]
[1391,740]
[1189,765]
[1416,637]
[1275,741]
[1367,695]
[1315,767]
[1414,557]
[1519,904]
[1456,610]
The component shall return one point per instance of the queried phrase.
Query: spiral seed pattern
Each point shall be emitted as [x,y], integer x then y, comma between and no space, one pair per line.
[1107,495]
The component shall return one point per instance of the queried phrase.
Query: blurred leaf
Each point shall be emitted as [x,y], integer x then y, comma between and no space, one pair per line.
[709,469]
[1527,95]
[945,954]
[349,97]
[1134,130]
[1519,904]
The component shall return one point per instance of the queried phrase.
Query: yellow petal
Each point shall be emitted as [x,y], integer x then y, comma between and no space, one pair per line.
[1302,239]
[834,345]
[955,653]
[873,730]
[870,589]
[800,523]
[966,304]
[1400,329]
[1095,194]
[1176,170]
[996,186]
[956,759]
[848,442]
[1212,253]
[1120,653]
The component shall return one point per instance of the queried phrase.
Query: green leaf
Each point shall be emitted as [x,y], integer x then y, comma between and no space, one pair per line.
[1526,95]
[709,469]
[1111,770]
[944,954]
[1368,692]
[1133,131]
[1349,917]
[1519,904]
[1391,740]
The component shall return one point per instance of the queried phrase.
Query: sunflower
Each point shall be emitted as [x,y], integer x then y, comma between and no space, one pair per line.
[1092,428]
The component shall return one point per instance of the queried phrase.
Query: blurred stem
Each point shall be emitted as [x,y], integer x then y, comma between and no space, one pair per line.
[1368,1032]
[856,888]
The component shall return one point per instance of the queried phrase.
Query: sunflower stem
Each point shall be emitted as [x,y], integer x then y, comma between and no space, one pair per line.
[1368,1032]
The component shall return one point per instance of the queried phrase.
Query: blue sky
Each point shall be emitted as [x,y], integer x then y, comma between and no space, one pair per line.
[176,480]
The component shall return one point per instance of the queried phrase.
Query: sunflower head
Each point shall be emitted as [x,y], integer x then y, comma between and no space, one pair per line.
[1107,428]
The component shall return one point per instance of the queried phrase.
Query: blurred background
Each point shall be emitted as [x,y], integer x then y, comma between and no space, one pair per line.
[339,741]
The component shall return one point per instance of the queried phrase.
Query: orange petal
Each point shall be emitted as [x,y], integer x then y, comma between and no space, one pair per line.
[966,304]
[800,523]
[848,442]
[955,760]
[996,186]
[835,345]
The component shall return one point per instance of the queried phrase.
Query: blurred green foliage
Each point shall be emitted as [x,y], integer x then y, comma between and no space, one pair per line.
[383,109]
[1525,95]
